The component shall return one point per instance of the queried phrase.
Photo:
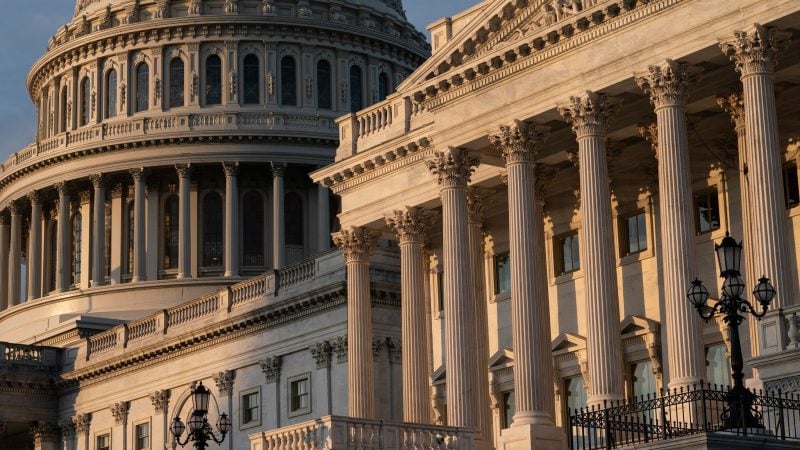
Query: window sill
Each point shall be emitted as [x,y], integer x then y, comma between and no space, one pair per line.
[567,277]
[253,424]
[300,412]
[501,297]
[793,211]
[711,235]
[633,258]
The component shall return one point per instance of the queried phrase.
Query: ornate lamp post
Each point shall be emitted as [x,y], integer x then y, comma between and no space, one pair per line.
[200,431]
[739,413]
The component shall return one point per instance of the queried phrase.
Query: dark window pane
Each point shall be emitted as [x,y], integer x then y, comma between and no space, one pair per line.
[383,86]
[502,274]
[509,408]
[440,289]
[76,248]
[293,210]
[790,186]
[63,109]
[86,99]
[171,233]
[356,95]
[111,94]
[569,253]
[213,80]
[324,97]
[707,210]
[212,230]
[176,82]
[142,87]
[253,229]
[131,214]
[252,86]
[288,82]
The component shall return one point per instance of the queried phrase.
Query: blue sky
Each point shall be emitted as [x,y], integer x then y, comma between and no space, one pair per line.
[26,28]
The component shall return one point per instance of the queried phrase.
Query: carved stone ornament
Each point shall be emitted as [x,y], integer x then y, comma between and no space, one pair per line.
[544,175]
[137,174]
[395,348]
[131,13]
[733,104]
[232,83]
[84,197]
[34,197]
[452,167]
[231,168]
[160,401]
[82,422]
[668,83]
[157,90]
[224,381]
[270,83]
[756,50]
[477,199]
[303,8]
[183,169]
[321,351]
[377,346]
[271,368]
[589,115]
[4,219]
[278,169]
[336,14]
[44,432]
[520,141]
[410,224]
[340,349]
[649,131]
[67,429]
[195,7]
[120,412]
[231,7]
[268,8]
[98,182]
[356,244]
[162,9]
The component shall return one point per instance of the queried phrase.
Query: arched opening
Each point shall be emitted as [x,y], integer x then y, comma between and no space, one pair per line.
[288,82]
[213,244]
[111,94]
[213,80]
[142,87]
[170,226]
[251,84]
[86,100]
[324,91]
[176,82]
[356,90]
[383,86]
[253,229]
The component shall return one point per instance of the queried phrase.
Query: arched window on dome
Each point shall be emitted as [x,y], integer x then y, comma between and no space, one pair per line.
[251,80]
[86,100]
[383,86]
[142,87]
[170,229]
[213,80]
[176,82]
[253,229]
[356,89]
[111,94]
[288,81]
[324,90]
[213,244]
[75,260]
[63,110]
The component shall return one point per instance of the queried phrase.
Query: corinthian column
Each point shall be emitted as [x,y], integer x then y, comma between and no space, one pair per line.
[411,225]
[35,246]
[98,231]
[278,247]
[138,271]
[756,53]
[231,219]
[533,425]
[15,254]
[62,238]
[589,117]
[667,84]
[357,245]
[453,168]
[184,234]
[5,232]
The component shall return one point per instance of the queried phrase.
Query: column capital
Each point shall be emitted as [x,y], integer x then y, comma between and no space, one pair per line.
[62,187]
[14,208]
[224,381]
[183,169]
[138,174]
[544,174]
[271,366]
[519,142]
[649,131]
[117,190]
[278,168]
[231,168]
[756,50]
[477,198]
[589,114]
[97,180]
[119,411]
[668,82]
[44,432]
[733,104]
[84,197]
[452,167]
[356,244]
[160,400]
[4,219]
[34,197]
[410,224]
[82,422]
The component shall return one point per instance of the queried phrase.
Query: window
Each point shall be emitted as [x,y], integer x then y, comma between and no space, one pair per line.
[142,437]
[383,86]
[790,186]
[576,393]
[107,238]
[86,100]
[142,87]
[63,109]
[111,94]
[176,82]
[213,80]
[171,233]
[643,382]
[356,95]
[440,290]
[253,229]
[252,86]
[633,233]
[288,82]
[103,442]
[76,248]
[568,257]
[212,230]
[508,409]
[251,408]
[293,207]
[324,95]
[131,230]
[706,207]
[299,395]
[502,274]
[718,369]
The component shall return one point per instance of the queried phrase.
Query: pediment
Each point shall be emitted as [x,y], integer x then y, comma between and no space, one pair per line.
[502,358]
[568,342]
[439,375]
[633,325]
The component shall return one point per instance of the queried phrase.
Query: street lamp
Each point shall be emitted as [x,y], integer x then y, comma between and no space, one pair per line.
[200,431]
[739,413]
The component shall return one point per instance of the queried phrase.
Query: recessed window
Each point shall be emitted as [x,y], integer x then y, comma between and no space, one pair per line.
[213,244]
[718,369]
[111,94]
[171,233]
[251,83]
[509,408]
[643,381]
[440,290]
[288,81]
[77,235]
[176,82]
[299,395]
[324,91]
[103,442]
[633,233]
[251,412]
[576,394]
[502,274]
[142,87]
[253,229]
[213,80]
[383,86]
[790,186]
[86,100]
[567,253]
[706,207]
[356,94]
[142,436]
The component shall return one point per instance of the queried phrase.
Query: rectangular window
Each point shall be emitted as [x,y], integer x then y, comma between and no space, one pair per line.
[568,257]
[633,233]
[706,207]
[250,408]
[299,395]
[104,442]
[576,394]
[440,290]
[643,381]
[502,274]
[142,436]
[791,188]
[509,409]
[718,369]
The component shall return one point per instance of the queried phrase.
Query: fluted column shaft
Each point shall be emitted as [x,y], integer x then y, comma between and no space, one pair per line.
[62,239]
[98,232]
[278,239]
[184,233]
[34,260]
[138,271]
[667,86]
[411,226]
[453,168]
[15,256]
[357,245]
[5,233]
[231,219]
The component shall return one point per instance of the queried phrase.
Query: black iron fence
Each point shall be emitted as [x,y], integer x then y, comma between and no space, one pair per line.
[700,409]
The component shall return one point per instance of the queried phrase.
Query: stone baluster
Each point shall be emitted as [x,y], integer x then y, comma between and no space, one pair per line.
[63,238]
[411,226]
[34,257]
[452,169]
[98,231]
[15,254]
[667,85]
[139,270]
[278,238]
[231,169]
[184,224]
[5,234]
[589,117]
[357,245]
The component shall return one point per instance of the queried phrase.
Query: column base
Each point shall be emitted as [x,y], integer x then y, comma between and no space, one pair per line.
[530,437]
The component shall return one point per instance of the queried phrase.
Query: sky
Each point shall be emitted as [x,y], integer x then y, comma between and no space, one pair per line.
[23,39]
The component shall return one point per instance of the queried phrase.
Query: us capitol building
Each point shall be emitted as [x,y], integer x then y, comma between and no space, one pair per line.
[356,240]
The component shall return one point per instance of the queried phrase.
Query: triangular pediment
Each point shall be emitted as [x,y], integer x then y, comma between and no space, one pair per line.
[634,325]
[502,358]
[568,342]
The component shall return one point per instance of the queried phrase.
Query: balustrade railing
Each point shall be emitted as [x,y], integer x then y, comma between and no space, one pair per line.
[296,274]
[142,328]
[249,290]
[22,353]
[196,309]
